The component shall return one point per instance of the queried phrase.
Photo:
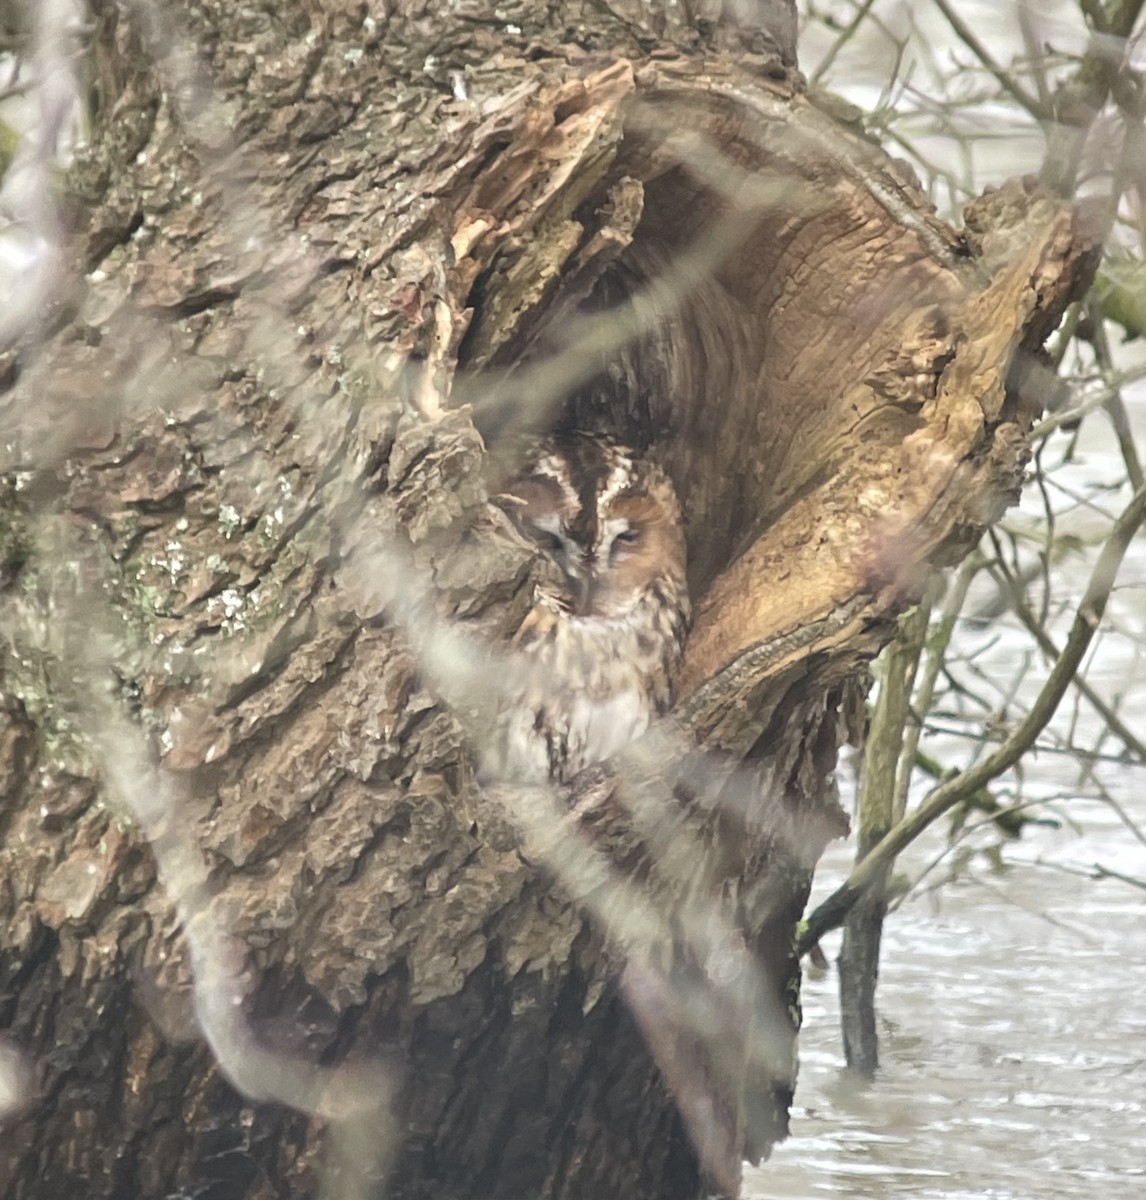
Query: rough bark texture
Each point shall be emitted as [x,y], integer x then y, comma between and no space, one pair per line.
[325,254]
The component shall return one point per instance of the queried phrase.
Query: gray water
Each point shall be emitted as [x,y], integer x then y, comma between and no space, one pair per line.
[1013,1042]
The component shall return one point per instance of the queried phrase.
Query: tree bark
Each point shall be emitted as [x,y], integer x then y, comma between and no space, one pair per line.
[263,932]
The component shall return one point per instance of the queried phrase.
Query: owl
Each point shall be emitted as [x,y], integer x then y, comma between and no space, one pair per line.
[597,652]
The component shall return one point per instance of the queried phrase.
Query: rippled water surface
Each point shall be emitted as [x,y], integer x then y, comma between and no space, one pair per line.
[1013,1042]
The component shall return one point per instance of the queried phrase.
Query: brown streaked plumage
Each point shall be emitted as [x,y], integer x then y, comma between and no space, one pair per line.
[600,647]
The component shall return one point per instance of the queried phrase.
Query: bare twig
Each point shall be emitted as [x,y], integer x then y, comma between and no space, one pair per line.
[1096,871]
[1033,626]
[1115,406]
[938,640]
[967,831]
[846,36]
[1090,611]
[1006,79]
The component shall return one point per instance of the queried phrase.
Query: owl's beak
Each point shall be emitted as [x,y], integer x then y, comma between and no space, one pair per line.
[582,591]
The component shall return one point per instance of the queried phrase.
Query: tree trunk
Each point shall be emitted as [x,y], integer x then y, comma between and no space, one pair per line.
[263,932]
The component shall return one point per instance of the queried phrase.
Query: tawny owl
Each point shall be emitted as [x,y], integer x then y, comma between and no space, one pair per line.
[601,644]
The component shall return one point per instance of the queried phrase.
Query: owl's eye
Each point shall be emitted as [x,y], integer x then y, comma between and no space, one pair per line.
[549,542]
[625,540]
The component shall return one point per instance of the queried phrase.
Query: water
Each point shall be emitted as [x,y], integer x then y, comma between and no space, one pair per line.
[1013,1043]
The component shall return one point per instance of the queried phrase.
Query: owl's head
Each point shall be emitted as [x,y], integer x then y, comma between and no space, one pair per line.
[606,517]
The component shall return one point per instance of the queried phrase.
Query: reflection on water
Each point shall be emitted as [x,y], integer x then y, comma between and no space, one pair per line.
[1012,1013]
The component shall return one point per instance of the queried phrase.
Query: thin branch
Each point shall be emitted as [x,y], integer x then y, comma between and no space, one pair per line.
[830,914]
[967,831]
[1098,871]
[1095,871]
[840,42]
[884,742]
[1036,53]
[1115,406]
[1115,806]
[1115,723]
[1057,748]
[1006,78]
[939,638]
